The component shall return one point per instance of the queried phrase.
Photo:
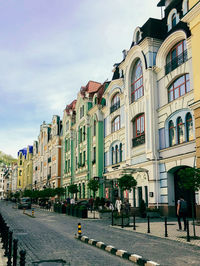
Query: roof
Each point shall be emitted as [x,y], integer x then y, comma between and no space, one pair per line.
[71,106]
[161,3]
[23,151]
[91,87]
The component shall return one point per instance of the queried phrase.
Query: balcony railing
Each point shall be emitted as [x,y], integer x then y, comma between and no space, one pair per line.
[175,62]
[138,140]
[114,107]
[48,176]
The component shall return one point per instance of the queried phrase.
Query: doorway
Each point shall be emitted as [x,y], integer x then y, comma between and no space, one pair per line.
[187,194]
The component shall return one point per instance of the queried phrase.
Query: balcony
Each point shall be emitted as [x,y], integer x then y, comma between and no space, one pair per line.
[48,176]
[138,140]
[114,107]
[49,159]
[175,62]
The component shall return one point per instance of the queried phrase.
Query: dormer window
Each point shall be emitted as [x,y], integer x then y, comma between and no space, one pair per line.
[173,20]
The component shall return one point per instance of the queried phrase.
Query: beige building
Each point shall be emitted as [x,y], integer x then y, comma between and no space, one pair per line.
[47,155]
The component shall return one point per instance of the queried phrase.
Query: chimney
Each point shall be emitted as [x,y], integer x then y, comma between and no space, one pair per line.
[124,53]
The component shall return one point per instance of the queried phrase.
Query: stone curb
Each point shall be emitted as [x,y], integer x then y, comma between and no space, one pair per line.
[118,252]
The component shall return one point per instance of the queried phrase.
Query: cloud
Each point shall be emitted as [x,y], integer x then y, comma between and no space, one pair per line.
[49,50]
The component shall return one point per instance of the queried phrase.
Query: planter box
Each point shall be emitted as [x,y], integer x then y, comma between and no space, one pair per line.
[118,221]
[99,215]
[153,214]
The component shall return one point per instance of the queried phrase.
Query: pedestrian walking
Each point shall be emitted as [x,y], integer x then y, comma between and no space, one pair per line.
[181,212]
[118,205]
[91,203]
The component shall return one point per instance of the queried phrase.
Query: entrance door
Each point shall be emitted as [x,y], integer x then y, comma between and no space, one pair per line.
[185,193]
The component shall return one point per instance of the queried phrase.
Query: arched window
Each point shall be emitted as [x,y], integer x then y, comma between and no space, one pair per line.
[138,130]
[137,89]
[176,56]
[115,103]
[113,155]
[116,154]
[116,124]
[189,127]
[120,152]
[173,20]
[179,87]
[79,191]
[180,130]
[95,124]
[171,133]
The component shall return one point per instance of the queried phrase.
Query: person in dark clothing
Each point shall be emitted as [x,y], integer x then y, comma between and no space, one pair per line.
[181,212]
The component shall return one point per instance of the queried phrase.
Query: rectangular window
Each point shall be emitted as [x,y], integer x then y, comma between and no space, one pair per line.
[68,169]
[84,157]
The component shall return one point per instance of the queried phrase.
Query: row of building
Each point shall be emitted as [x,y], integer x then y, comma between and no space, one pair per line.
[144,121]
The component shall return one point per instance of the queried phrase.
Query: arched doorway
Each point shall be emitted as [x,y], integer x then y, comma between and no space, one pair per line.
[188,195]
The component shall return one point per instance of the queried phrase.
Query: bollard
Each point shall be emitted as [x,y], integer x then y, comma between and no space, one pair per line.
[9,262]
[188,232]
[32,212]
[23,210]
[148,227]
[22,260]
[6,241]
[112,218]
[166,235]
[122,220]
[79,229]
[134,228]
[15,244]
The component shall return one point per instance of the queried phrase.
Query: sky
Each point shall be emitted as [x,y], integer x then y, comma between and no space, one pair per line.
[50,48]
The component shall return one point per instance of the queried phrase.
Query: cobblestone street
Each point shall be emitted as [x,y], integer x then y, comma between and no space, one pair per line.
[51,236]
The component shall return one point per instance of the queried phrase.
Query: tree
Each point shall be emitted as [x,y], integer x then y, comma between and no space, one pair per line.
[28,193]
[59,191]
[17,195]
[93,185]
[73,189]
[127,182]
[190,180]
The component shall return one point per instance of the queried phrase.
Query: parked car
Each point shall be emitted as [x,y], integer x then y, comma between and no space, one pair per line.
[24,203]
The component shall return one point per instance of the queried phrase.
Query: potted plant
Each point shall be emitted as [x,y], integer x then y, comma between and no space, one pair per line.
[82,212]
[118,218]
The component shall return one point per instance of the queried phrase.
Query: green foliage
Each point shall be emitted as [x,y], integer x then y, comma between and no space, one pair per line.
[59,191]
[189,178]
[17,195]
[93,185]
[73,189]
[28,193]
[6,159]
[127,181]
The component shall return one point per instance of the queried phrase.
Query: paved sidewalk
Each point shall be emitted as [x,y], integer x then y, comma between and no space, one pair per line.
[157,228]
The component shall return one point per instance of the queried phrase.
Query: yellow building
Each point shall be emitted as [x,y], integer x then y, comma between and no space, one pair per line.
[192,17]
[28,169]
[20,162]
